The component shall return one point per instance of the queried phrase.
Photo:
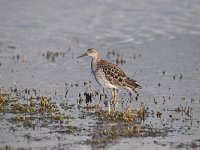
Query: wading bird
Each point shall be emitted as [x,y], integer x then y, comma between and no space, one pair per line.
[109,76]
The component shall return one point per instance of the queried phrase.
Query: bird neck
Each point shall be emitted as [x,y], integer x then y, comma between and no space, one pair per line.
[95,59]
[94,62]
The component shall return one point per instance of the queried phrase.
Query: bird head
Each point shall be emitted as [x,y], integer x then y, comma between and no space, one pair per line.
[91,52]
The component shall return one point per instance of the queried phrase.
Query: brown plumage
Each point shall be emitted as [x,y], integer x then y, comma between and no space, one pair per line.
[109,75]
[116,76]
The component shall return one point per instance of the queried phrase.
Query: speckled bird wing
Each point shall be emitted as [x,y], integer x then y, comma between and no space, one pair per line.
[112,72]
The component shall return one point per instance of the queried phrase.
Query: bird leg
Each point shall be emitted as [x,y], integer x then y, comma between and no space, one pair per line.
[114,99]
[110,102]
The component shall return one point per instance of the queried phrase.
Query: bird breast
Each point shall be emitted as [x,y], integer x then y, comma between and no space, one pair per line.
[102,80]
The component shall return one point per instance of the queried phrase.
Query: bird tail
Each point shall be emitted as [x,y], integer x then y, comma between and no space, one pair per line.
[132,84]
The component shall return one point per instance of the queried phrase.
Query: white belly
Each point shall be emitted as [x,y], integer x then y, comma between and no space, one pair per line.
[101,79]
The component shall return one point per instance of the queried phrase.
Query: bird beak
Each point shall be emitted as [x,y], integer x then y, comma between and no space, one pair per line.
[85,54]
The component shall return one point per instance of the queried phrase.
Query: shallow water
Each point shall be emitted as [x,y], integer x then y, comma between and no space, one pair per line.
[159,42]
